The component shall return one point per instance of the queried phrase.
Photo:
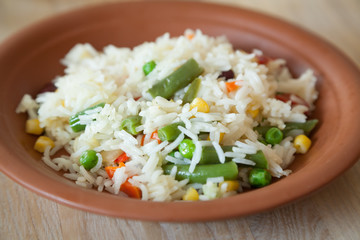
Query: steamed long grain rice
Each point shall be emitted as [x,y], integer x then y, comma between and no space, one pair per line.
[115,77]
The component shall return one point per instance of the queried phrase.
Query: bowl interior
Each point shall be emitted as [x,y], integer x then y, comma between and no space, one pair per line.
[31,58]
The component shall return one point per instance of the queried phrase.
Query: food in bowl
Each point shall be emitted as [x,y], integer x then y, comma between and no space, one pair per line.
[182,118]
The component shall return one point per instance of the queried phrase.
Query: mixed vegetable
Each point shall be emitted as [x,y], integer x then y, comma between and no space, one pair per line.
[211,165]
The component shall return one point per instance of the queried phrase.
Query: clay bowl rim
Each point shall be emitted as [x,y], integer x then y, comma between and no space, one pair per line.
[73,196]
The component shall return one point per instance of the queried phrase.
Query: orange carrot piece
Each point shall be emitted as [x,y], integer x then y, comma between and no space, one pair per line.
[155,136]
[122,158]
[190,36]
[232,86]
[142,140]
[130,190]
[110,170]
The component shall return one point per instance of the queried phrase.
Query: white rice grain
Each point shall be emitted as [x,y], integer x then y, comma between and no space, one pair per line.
[86,175]
[71,176]
[173,171]
[219,151]
[196,156]
[244,161]
[215,179]
[188,133]
[119,178]
[98,164]
[173,145]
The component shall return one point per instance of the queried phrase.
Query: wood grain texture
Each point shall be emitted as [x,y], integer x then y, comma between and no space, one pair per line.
[331,213]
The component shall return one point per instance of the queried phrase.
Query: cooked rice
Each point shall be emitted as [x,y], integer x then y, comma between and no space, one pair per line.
[115,77]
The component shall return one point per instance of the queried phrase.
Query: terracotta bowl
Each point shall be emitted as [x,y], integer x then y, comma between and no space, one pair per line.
[30,59]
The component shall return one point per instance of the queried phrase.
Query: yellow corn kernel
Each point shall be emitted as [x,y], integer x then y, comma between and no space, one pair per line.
[253,113]
[42,143]
[201,105]
[302,143]
[229,185]
[221,137]
[191,195]
[33,127]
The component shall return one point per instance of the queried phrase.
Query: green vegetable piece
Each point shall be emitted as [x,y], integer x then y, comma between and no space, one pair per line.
[74,120]
[170,132]
[130,124]
[201,173]
[262,130]
[274,136]
[192,91]
[89,159]
[148,67]
[187,148]
[307,126]
[262,141]
[259,158]
[177,80]
[259,177]
[209,155]
[172,153]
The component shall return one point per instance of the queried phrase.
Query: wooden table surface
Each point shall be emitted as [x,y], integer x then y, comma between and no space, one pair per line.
[331,213]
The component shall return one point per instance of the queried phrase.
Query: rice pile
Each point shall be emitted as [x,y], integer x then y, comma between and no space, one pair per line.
[115,77]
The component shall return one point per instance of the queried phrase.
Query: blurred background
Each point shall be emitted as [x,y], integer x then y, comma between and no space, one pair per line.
[320,16]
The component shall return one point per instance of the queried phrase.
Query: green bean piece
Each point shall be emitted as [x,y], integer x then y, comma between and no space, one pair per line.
[74,120]
[172,153]
[262,130]
[262,141]
[130,124]
[89,159]
[259,159]
[273,136]
[177,80]
[259,177]
[187,148]
[209,155]
[307,126]
[201,173]
[170,132]
[192,91]
[148,67]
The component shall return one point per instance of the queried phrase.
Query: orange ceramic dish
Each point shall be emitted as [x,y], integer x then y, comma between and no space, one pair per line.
[30,59]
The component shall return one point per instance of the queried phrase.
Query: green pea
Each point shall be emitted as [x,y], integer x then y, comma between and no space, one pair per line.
[187,148]
[89,159]
[274,136]
[307,127]
[148,67]
[259,177]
